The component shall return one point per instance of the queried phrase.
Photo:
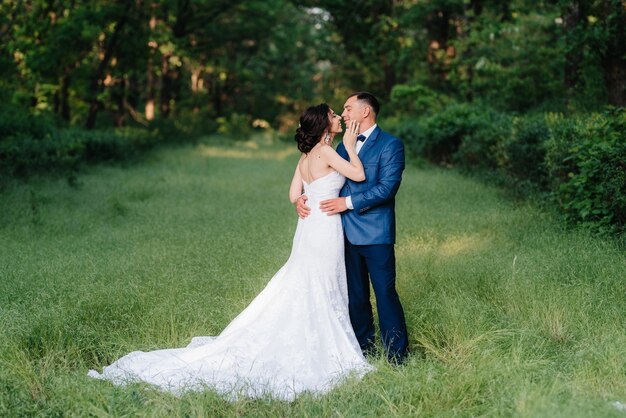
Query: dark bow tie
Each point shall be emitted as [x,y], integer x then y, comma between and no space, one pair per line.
[360,138]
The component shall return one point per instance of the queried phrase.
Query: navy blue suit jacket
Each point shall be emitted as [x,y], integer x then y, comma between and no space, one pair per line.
[373,219]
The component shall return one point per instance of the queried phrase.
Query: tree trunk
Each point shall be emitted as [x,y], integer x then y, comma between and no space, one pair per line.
[438,28]
[217,97]
[505,11]
[95,85]
[573,17]
[64,97]
[470,12]
[150,87]
[166,86]
[196,80]
[614,60]
[477,6]
[132,92]
[390,75]
[118,93]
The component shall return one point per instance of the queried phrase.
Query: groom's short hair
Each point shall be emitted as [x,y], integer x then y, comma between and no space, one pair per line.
[368,98]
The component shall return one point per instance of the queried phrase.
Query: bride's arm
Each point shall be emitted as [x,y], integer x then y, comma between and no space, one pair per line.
[352,169]
[295,190]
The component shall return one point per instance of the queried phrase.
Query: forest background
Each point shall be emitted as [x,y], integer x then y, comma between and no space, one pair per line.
[528,94]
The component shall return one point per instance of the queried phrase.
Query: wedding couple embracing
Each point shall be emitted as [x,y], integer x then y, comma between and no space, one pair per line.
[312,325]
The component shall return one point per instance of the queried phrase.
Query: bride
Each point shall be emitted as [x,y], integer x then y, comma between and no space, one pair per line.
[295,336]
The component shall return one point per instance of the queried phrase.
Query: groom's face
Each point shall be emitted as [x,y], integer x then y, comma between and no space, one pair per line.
[352,110]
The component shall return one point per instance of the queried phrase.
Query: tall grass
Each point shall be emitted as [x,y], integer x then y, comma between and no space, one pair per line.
[508,314]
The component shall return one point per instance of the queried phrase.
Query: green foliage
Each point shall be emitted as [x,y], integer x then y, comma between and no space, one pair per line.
[523,150]
[16,122]
[595,49]
[32,144]
[120,59]
[578,159]
[467,135]
[587,160]
[417,99]
[65,150]
[235,126]
[481,146]
[442,136]
[187,126]
[514,65]
[175,55]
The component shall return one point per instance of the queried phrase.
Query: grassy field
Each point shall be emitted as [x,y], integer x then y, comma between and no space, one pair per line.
[508,314]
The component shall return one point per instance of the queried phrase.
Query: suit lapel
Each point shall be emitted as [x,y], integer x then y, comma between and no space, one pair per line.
[370,143]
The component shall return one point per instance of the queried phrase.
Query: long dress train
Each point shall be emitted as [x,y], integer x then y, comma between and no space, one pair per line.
[294,337]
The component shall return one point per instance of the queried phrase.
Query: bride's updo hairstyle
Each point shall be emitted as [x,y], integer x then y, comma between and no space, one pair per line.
[314,122]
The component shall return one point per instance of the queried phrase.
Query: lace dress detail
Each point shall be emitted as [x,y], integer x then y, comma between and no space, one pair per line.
[294,337]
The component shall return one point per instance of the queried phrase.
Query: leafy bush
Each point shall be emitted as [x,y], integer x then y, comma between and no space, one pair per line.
[462,134]
[33,144]
[581,161]
[443,133]
[117,145]
[185,126]
[65,150]
[417,98]
[480,148]
[586,159]
[236,126]
[523,152]
[17,122]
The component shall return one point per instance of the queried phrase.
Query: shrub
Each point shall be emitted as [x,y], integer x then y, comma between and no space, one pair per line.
[443,133]
[235,126]
[33,144]
[27,155]
[480,148]
[523,152]
[185,126]
[417,99]
[586,157]
[118,145]
[65,150]
[16,122]
[581,161]
[463,134]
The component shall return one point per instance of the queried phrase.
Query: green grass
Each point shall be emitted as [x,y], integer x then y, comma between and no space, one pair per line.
[508,314]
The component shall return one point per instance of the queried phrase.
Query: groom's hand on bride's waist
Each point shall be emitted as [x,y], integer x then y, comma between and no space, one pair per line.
[334,206]
[301,208]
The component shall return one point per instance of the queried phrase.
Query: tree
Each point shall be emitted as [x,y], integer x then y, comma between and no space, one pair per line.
[595,37]
[613,14]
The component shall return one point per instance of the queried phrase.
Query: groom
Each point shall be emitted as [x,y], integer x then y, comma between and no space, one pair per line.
[368,215]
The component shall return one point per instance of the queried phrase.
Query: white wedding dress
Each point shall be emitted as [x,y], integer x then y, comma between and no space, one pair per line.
[294,337]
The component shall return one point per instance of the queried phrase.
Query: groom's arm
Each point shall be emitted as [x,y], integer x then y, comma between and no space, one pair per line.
[389,178]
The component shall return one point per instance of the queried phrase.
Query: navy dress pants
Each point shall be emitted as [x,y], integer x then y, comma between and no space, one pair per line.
[378,264]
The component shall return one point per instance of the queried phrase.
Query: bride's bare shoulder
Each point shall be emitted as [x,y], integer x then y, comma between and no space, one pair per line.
[327,149]
[329,153]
